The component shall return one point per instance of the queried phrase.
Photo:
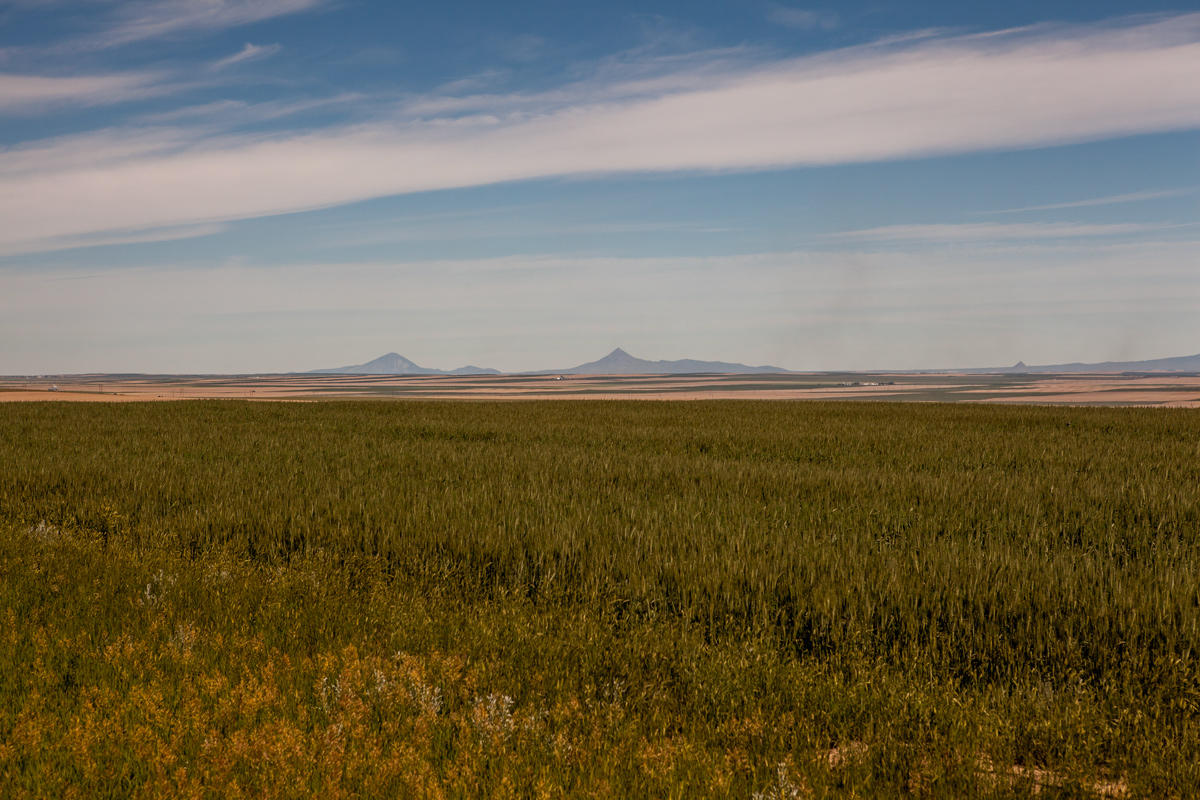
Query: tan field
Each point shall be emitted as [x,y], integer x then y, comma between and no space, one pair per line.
[1068,389]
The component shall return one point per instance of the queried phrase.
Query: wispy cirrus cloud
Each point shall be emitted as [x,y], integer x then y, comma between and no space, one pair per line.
[926,97]
[32,93]
[802,18]
[997,232]
[1129,197]
[141,236]
[620,79]
[249,52]
[227,114]
[150,19]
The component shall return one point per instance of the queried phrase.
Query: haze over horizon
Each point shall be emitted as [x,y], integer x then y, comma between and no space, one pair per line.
[239,186]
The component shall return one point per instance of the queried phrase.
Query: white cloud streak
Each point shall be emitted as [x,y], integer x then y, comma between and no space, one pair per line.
[31,93]
[222,115]
[134,237]
[997,232]
[1130,197]
[151,19]
[250,52]
[1000,91]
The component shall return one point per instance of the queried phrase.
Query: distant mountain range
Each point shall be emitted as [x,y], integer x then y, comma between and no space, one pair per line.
[618,362]
[1177,364]
[396,364]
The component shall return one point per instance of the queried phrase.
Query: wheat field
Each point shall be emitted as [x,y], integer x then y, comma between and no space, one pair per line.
[598,599]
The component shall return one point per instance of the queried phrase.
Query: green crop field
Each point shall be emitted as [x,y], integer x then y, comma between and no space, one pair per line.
[598,599]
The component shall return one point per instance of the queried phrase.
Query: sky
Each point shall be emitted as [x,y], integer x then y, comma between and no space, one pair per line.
[249,186]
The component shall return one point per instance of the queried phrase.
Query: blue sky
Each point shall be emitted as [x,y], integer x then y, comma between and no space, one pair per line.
[277,185]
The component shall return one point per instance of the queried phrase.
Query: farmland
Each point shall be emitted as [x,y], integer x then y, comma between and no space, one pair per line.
[1169,389]
[589,598]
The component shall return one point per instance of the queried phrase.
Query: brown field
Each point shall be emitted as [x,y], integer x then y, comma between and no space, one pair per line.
[1176,390]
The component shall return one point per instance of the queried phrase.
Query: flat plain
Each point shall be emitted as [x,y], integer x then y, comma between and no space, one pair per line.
[1152,389]
[580,598]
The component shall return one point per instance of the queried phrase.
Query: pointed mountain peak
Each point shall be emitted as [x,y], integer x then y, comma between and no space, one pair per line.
[618,362]
[391,360]
[391,364]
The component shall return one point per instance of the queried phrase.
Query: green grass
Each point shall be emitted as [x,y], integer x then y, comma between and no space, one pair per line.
[610,599]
